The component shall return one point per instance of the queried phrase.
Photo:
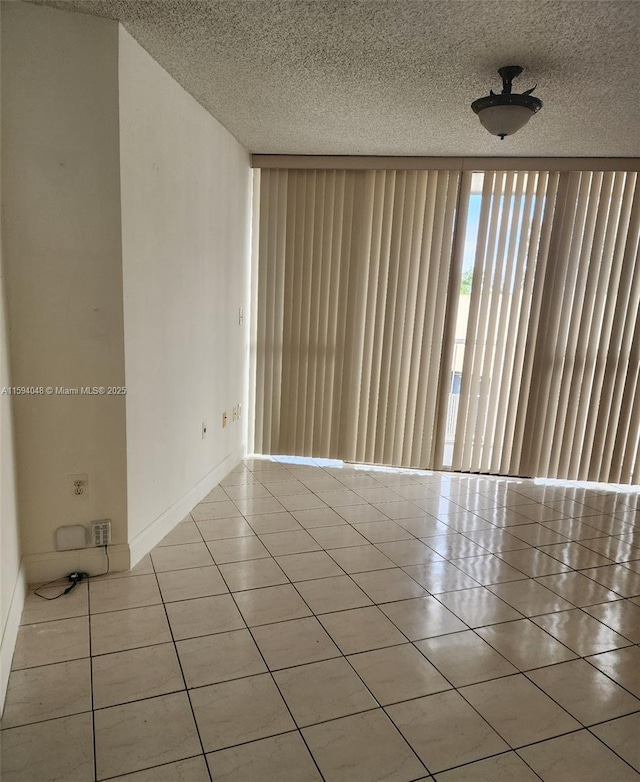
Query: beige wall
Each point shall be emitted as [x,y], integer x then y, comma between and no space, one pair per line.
[185,237]
[127,236]
[126,250]
[11,578]
[63,261]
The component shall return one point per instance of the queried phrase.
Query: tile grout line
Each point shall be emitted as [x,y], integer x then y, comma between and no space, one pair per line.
[604,743]
[275,683]
[93,714]
[184,680]
[150,768]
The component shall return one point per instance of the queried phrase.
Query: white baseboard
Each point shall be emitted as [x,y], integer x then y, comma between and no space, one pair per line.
[10,633]
[39,568]
[154,532]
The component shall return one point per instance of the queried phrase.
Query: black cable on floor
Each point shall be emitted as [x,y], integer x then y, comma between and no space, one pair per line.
[74,579]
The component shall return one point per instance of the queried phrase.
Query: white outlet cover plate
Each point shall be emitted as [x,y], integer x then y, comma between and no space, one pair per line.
[85,485]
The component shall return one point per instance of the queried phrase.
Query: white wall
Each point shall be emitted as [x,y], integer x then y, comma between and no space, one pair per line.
[101,276]
[185,190]
[126,236]
[11,577]
[62,253]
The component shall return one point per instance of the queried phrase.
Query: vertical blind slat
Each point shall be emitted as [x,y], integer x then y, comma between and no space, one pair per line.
[314,310]
[410,359]
[480,347]
[461,450]
[397,375]
[384,431]
[378,324]
[449,289]
[442,247]
[485,434]
[499,335]
[364,401]
[510,372]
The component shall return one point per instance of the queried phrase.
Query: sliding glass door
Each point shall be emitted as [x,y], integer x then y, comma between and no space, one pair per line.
[483,322]
[354,270]
[508,246]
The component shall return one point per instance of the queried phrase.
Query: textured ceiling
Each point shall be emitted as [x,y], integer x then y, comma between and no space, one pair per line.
[396,77]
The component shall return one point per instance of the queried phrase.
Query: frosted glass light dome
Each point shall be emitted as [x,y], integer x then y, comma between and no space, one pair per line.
[504,120]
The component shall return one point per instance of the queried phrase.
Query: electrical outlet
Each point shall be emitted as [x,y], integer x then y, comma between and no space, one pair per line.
[101,532]
[79,486]
[240,316]
[204,429]
[239,411]
[224,420]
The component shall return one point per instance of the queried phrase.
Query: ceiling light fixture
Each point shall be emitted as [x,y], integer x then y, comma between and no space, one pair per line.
[504,114]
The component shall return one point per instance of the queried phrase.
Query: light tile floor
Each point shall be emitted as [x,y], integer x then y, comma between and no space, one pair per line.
[322,622]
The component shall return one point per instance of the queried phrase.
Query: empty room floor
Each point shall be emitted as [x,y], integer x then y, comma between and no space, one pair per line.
[311,621]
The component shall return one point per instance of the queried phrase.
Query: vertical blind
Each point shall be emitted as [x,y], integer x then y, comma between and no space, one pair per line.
[509,247]
[354,269]
[358,279]
[582,415]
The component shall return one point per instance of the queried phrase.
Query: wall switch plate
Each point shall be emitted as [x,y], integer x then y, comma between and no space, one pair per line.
[70,537]
[204,429]
[224,420]
[101,532]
